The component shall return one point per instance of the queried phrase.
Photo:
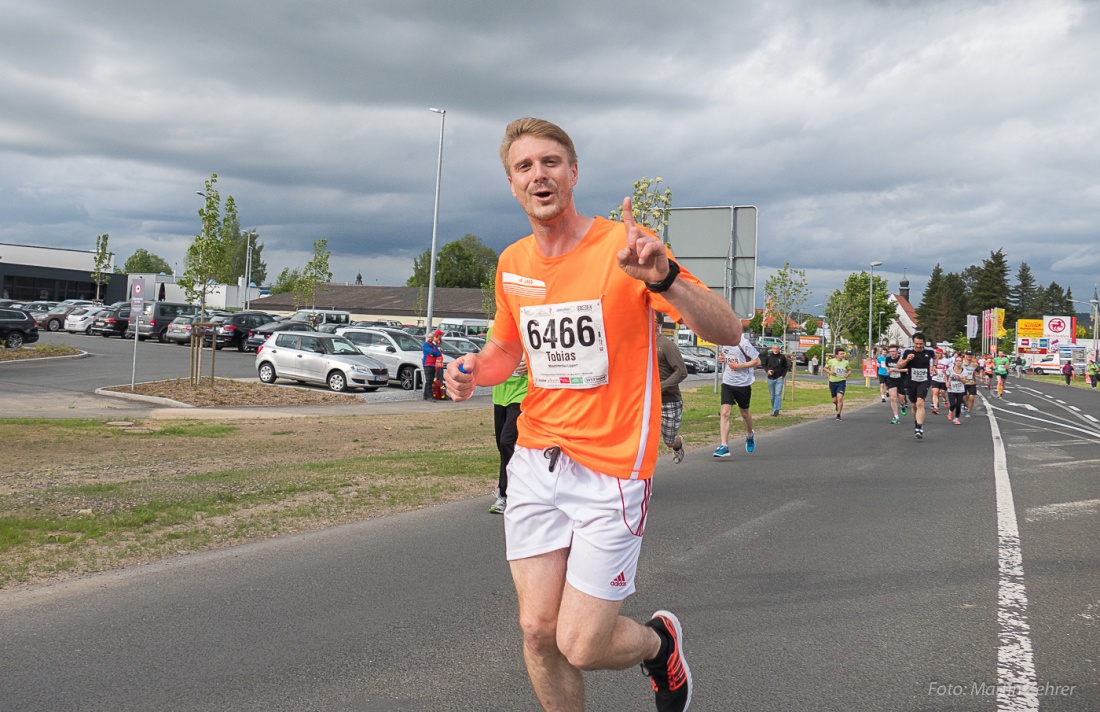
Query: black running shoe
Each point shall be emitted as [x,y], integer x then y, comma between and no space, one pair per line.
[669,673]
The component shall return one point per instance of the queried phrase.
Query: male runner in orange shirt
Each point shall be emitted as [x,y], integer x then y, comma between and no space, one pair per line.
[578,296]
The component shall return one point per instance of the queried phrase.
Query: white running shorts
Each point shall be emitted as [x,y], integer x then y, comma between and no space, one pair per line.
[599,518]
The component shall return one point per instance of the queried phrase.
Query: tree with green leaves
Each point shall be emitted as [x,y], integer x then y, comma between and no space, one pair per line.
[856,309]
[315,273]
[466,262]
[102,264]
[145,262]
[844,311]
[785,291]
[990,287]
[756,323]
[1052,301]
[1023,295]
[205,256]
[649,206]
[930,300]
[286,280]
[810,326]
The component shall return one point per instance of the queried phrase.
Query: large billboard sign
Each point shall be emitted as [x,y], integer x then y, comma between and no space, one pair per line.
[1046,335]
[718,245]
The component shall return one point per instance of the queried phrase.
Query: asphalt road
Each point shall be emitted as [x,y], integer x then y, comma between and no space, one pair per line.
[842,566]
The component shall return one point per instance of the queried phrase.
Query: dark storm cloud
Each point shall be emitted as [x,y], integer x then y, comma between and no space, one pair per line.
[911,133]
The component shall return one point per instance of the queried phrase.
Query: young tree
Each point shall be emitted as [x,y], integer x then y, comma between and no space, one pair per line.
[102,264]
[315,273]
[786,290]
[810,326]
[843,312]
[649,206]
[145,262]
[206,255]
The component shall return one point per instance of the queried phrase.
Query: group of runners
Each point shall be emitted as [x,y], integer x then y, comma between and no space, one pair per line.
[908,377]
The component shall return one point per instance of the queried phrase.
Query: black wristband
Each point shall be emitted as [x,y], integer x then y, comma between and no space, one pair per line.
[664,284]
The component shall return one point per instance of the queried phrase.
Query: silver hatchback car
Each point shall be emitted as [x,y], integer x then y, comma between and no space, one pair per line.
[319,358]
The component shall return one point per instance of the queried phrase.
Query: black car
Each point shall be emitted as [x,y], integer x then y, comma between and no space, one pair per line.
[235,329]
[260,335]
[112,322]
[17,327]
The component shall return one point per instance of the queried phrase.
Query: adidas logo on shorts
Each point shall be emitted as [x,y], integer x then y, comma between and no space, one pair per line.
[620,580]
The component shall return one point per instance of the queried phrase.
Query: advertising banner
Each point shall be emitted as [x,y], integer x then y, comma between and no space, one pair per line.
[1029,328]
[1061,328]
[870,368]
[805,342]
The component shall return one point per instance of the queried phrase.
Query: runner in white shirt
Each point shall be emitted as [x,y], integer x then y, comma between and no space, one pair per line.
[737,380]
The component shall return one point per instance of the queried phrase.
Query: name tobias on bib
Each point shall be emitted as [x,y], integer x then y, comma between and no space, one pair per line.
[565,344]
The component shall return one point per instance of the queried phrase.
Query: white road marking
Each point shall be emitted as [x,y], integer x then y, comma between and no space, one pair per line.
[1061,510]
[1086,415]
[1090,433]
[1055,400]
[1072,407]
[1016,680]
[1069,463]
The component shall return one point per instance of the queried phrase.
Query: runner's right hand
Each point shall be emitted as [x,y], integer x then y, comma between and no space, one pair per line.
[460,383]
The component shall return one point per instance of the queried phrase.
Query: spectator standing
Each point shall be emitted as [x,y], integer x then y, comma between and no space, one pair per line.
[775,365]
[1093,370]
[432,353]
[670,364]
[1067,371]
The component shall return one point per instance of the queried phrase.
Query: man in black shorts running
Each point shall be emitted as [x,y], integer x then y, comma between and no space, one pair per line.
[895,381]
[918,362]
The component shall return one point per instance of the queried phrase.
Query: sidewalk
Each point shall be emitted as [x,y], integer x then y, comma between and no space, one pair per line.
[61,404]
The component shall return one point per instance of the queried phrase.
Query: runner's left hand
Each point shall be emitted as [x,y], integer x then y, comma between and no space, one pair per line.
[644,256]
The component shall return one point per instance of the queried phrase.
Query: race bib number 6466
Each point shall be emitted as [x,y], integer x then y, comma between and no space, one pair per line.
[565,344]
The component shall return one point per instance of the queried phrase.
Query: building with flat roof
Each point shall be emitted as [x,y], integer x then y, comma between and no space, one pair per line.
[28,272]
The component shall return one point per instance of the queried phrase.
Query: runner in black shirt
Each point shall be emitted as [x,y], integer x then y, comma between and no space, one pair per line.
[919,363]
[895,381]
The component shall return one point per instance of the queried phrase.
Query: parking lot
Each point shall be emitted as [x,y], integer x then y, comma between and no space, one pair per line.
[68,385]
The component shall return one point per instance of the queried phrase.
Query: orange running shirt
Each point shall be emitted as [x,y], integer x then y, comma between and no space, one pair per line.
[587,328]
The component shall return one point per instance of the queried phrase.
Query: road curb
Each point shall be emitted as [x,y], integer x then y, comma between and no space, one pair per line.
[157,400]
[82,354]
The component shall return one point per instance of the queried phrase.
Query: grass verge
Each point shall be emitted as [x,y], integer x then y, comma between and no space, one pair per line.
[79,496]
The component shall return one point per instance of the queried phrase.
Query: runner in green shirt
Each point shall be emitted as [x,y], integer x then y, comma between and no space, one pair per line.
[837,369]
[1000,368]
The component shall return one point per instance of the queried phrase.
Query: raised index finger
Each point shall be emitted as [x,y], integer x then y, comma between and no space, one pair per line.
[628,214]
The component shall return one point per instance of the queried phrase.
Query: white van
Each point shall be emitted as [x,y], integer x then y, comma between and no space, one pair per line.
[465,327]
[318,317]
[1048,363]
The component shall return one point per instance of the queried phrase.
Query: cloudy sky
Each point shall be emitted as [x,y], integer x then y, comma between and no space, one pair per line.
[909,132]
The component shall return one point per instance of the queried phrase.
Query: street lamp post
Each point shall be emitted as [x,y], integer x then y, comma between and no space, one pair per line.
[435,223]
[880,323]
[871,304]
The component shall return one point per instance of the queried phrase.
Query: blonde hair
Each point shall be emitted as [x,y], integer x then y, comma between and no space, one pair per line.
[540,128]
